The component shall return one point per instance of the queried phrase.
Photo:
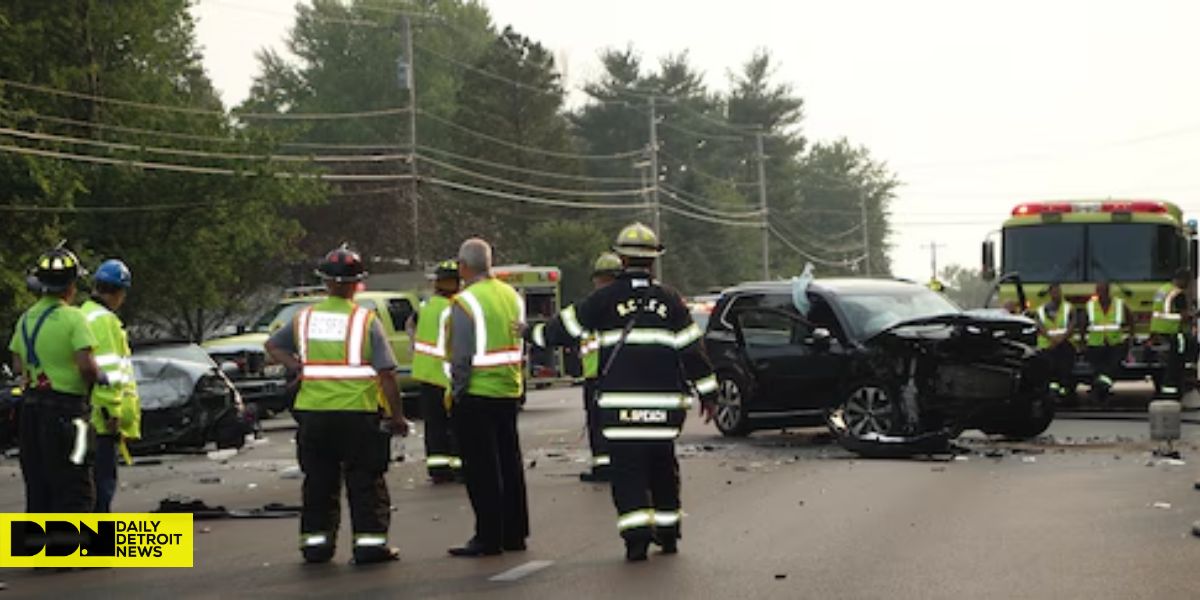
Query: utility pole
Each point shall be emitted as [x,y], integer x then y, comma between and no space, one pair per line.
[933,248]
[658,268]
[411,84]
[762,202]
[866,235]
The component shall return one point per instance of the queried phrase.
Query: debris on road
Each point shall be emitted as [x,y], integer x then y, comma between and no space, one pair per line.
[1029,459]
[206,529]
[1161,505]
[962,458]
[220,455]
[781,576]
[212,479]
[1196,529]
[938,469]
[251,486]
[293,472]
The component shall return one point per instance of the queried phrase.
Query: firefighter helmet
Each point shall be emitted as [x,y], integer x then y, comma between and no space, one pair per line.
[342,265]
[606,264]
[56,270]
[638,241]
[447,269]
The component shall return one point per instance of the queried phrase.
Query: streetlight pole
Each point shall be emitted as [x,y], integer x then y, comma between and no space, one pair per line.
[658,267]
[411,84]
[866,235]
[762,202]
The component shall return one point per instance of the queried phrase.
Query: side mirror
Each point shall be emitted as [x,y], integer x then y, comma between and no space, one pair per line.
[820,339]
[988,270]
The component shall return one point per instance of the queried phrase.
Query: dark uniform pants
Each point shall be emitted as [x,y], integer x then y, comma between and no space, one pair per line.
[1105,361]
[333,446]
[1061,361]
[645,489]
[493,469]
[441,447]
[106,471]
[1173,365]
[596,440]
[57,448]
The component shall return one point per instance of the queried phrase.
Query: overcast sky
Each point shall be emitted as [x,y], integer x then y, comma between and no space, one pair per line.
[976,105]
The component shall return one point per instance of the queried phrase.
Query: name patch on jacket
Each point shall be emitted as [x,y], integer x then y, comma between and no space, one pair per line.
[641,415]
[652,306]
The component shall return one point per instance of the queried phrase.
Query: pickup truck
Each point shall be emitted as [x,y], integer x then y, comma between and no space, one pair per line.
[265,384]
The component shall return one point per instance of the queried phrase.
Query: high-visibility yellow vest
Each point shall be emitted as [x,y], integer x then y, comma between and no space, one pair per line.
[335,348]
[120,398]
[1106,328]
[429,348]
[493,307]
[1165,320]
[1055,327]
[589,355]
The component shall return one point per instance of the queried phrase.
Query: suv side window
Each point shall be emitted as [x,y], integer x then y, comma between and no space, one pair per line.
[400,309]
[766,328]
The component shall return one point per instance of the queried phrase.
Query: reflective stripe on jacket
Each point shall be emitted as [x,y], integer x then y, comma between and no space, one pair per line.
[429,346]
[113,357]
[493,307]
[1106,328]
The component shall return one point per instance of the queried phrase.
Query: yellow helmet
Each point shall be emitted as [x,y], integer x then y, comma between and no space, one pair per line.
[639,241]
[607,264]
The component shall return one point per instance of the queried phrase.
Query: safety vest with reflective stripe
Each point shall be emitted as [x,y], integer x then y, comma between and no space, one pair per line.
[429,347]
[1165,320]
[335,349]
[589,354]
[120,398]
[493,307]
[1106,328]
[1055,327]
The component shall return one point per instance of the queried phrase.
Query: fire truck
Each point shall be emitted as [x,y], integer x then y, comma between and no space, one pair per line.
[1135,245]
[541,289]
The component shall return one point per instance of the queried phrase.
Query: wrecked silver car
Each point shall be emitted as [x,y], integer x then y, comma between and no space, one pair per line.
[890,366]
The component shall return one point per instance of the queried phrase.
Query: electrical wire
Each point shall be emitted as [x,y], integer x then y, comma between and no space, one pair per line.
[710,211]
[160,166]
[103,209]
[531,187]
[530,149]
[531,199]
[705,174]
[561,93]
[528,171]
[811,257]
[707,219]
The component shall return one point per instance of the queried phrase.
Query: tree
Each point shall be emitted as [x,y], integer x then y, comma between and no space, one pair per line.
[572,246]
[965,286]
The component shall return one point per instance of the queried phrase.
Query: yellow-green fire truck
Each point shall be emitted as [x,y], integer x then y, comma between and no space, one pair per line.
[541,288]
[1135,245]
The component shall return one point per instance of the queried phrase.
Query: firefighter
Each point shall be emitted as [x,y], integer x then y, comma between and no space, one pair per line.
[52,349]
[116,414]
[1169,325]
[604,272]
[429,368]
[347,371]
[486,386]
[1109,331]
[651,364]
[1056,325]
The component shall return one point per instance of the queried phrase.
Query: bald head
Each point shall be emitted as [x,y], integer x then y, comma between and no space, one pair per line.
[474,258]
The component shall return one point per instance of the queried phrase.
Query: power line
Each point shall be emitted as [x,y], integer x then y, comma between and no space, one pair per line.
[531,149]
[160,166]
[813,258]
[496,76]
[103,209]
[531,187]
[710,211]
[707,219]
[528,171]
[531,199]
[705,174]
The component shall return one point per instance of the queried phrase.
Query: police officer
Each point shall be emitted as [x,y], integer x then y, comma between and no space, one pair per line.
[1056,324]
[116,413]
[486,386]
[346,372]
[53,349]
[604,272]
[1170,323]
[429,368]
[651,364]
[1109,330]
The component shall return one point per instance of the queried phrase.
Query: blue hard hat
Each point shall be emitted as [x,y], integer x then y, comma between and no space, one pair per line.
[114,272]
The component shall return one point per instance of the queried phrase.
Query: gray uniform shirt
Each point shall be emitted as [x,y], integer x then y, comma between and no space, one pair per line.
[382,358]
[462,350]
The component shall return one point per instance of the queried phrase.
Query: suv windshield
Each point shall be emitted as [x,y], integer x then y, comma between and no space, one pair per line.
[869,313]
[278,315]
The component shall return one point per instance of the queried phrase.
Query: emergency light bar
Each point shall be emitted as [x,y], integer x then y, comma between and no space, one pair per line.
[1029,209]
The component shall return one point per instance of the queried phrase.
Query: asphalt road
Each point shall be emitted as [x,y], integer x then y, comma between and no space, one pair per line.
[778,515]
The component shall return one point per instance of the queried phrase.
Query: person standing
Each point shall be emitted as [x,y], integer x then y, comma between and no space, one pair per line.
[487,384]
[52,349]
[429,368]
[604,272]
[1170,324]
[347,371]
[116,413]
[652,364]
[1056,325]
[1109,331]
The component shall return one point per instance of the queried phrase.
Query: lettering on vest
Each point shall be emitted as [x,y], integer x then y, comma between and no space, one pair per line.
[328,327]
[639,415]
[652,306]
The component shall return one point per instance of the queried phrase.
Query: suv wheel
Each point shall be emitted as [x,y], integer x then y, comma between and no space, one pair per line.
[869,407]
[732,395]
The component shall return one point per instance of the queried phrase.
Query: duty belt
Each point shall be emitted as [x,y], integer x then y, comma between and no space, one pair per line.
[36,397]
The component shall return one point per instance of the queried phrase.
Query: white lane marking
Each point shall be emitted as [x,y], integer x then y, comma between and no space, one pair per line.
[522,571]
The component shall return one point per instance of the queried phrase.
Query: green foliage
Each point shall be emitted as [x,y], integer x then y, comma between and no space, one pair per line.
[965,286]
[573,247]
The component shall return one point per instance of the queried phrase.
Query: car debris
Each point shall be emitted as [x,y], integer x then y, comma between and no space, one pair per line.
[202,511]
[1161,505]
[292,472]
[1196,529]
[1029,460]
[208,480]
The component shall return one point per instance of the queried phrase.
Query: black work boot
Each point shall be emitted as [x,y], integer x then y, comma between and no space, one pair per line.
[636,550]
[376,554]
[315,555]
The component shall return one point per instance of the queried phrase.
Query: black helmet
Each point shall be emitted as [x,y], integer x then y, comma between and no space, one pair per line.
[56,270]
[447,269]
[342,265]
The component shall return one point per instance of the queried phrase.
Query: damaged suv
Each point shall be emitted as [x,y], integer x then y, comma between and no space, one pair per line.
[884,363]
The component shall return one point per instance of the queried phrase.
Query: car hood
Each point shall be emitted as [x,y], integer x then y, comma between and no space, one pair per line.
[252,342]
[166,383]
[982,319]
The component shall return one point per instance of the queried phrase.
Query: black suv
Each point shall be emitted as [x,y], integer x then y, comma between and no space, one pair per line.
[876,360]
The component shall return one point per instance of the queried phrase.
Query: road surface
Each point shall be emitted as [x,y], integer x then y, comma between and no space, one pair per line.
[778,515]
